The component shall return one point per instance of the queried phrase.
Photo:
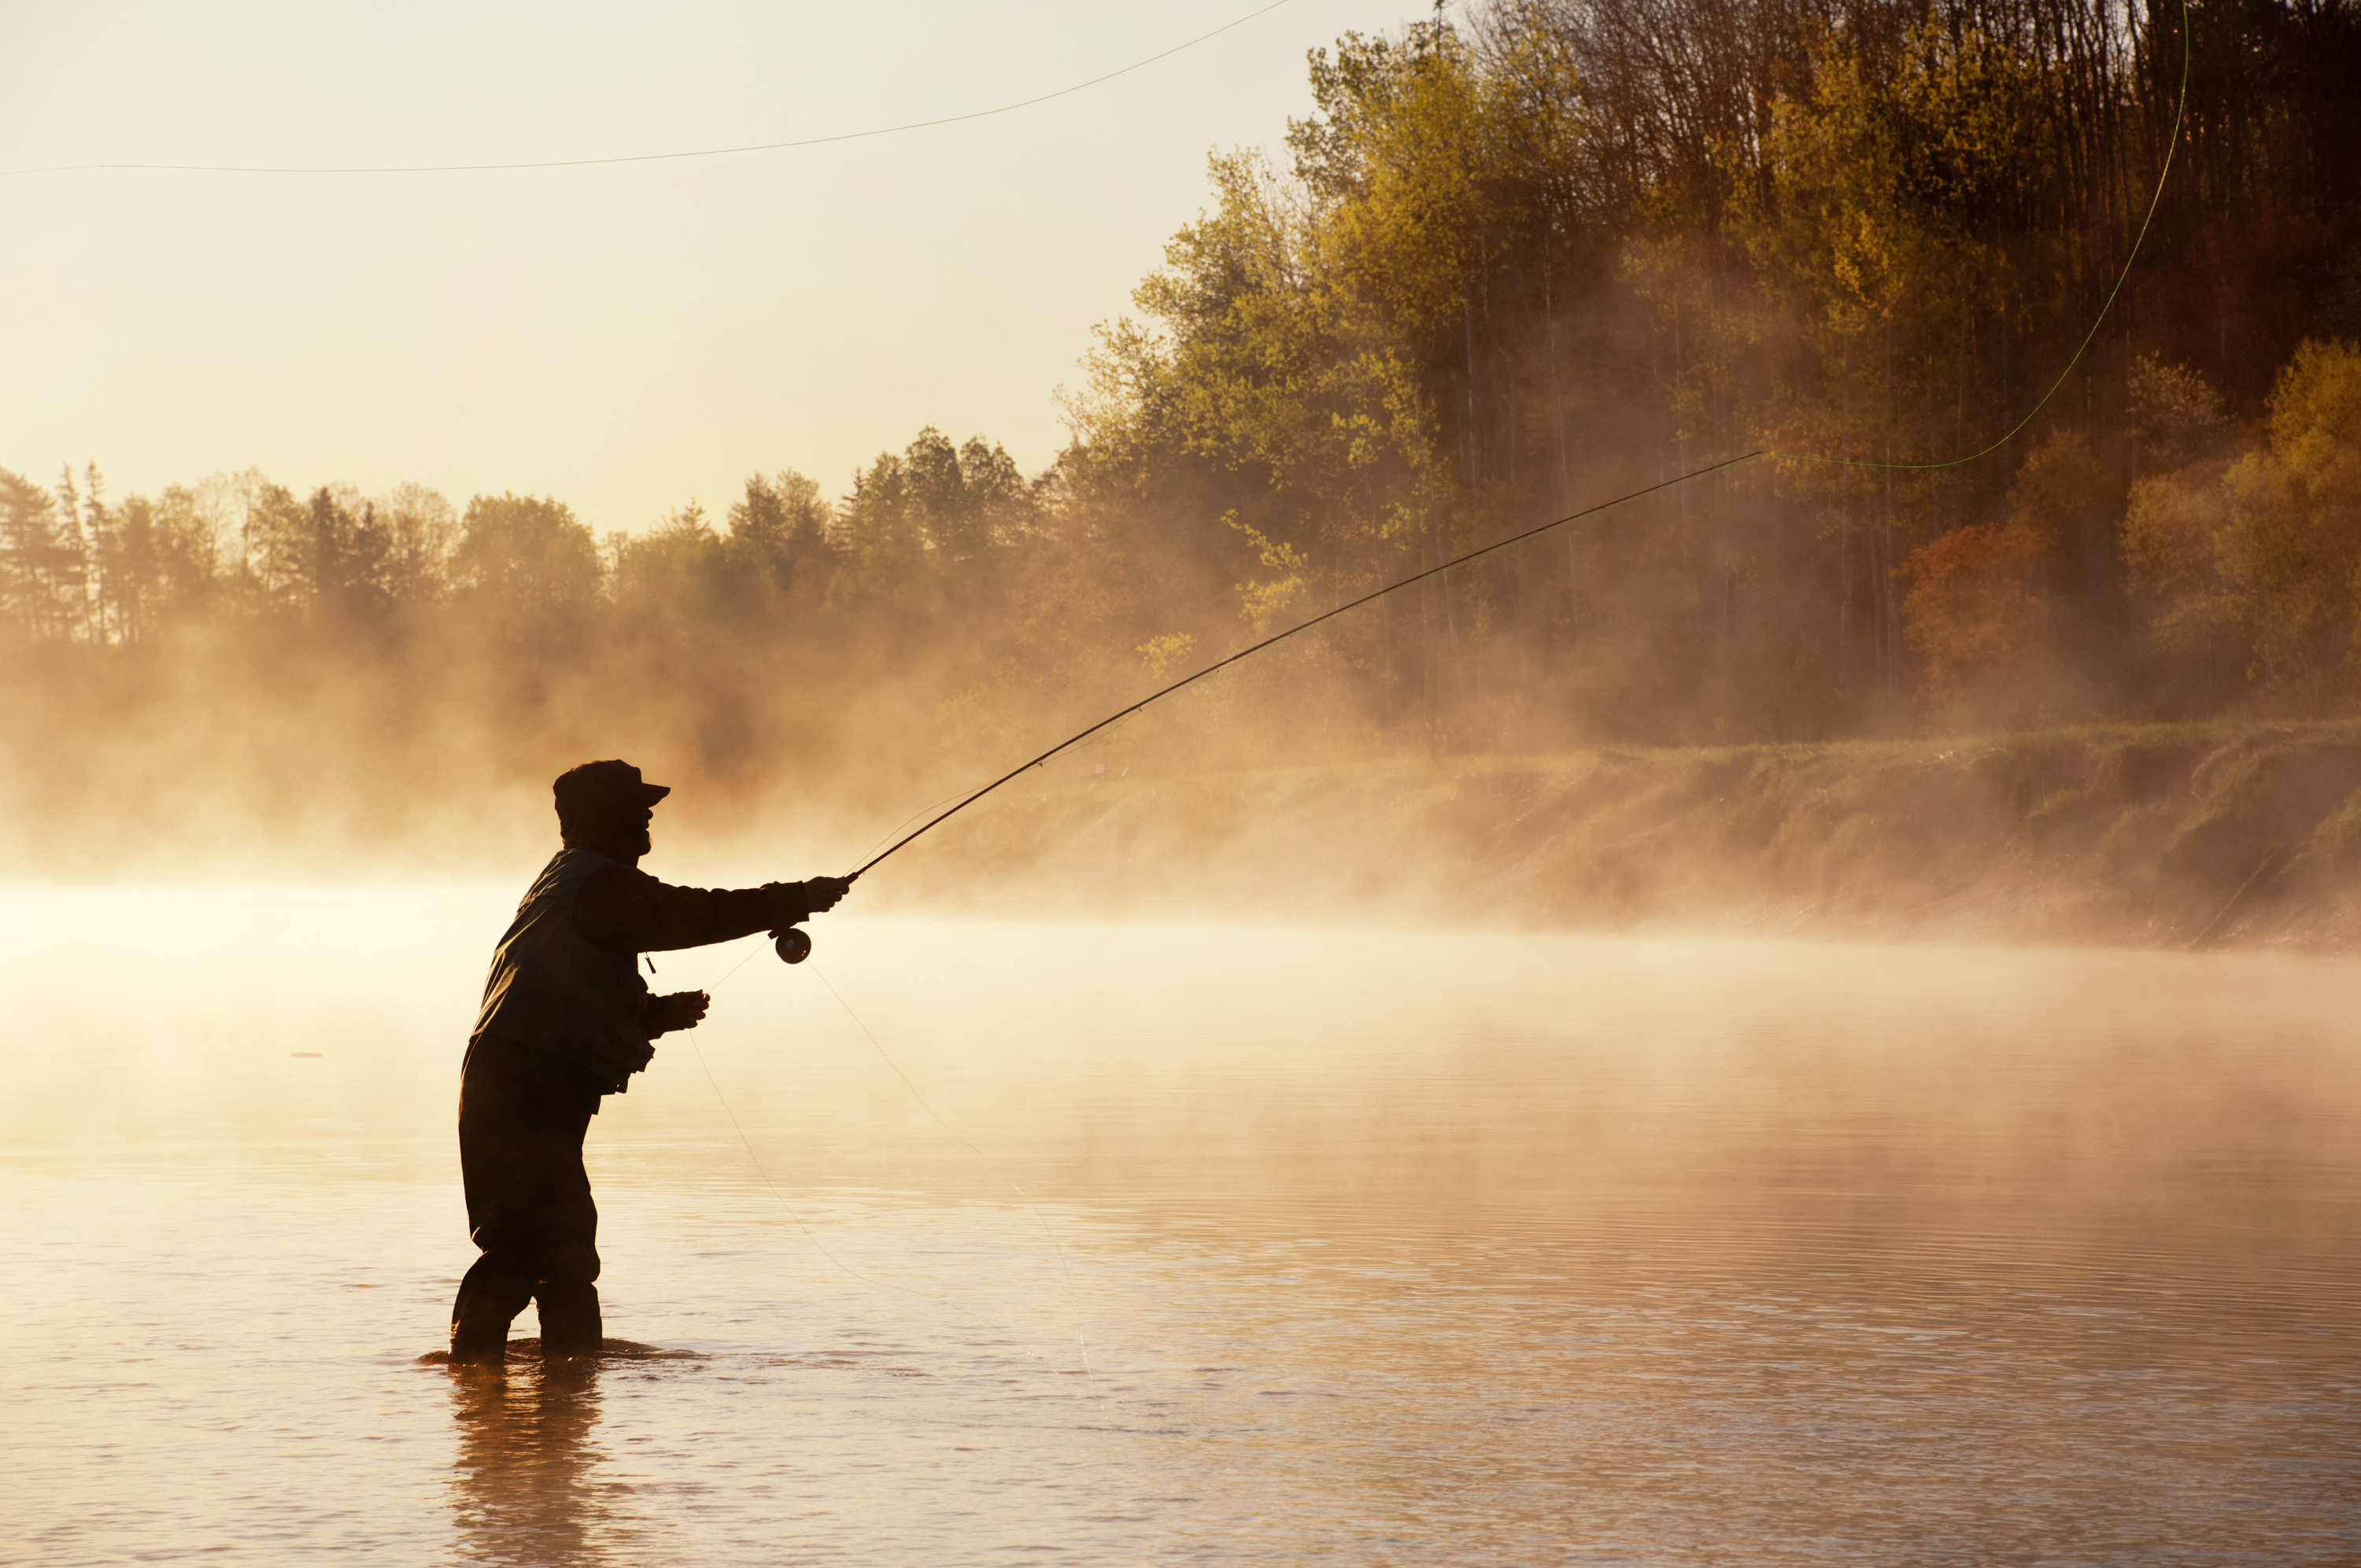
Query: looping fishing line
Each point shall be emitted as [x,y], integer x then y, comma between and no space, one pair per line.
[2081,351]
[2154,201]
[1082,1340]
[2172,144]
[661,156]
[1065,1268]
[757,1161]
[1253,649]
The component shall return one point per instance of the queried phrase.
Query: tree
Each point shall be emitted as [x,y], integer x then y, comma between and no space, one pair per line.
[349,561]
[1981,609]
[934,519]
[2175,418]
[1884,192]
[2290,554]
[41,563]
[158,561]
[668,579]
[2266,549]
[422,530]
[781,527]
[1976,613]
[277,547]
[525,566]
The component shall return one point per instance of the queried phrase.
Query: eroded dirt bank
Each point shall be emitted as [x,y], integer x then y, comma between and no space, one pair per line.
[2190,836]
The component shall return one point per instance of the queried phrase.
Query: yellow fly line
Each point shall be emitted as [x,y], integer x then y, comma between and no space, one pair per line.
[2171,144]
[653,157]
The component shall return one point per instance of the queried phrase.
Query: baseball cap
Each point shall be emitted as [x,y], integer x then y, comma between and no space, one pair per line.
[595,786]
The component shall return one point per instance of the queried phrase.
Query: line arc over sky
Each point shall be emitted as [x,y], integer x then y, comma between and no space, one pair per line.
[648,157]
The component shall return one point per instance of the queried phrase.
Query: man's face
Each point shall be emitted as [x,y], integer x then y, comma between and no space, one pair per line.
[621,830]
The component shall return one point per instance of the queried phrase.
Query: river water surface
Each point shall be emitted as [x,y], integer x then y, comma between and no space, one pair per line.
[973,1242]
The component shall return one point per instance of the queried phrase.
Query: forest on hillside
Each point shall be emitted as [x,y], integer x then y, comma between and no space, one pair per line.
[1510,265]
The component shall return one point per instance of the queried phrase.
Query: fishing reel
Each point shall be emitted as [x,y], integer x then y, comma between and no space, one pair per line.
[793,946]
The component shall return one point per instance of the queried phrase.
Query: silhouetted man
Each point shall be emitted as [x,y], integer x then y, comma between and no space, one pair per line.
[565,1019]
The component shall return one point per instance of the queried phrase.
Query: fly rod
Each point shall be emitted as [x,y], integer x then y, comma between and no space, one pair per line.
[2179,113]
[795,946]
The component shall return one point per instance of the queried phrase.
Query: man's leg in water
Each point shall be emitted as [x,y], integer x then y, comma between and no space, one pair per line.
[529,1207]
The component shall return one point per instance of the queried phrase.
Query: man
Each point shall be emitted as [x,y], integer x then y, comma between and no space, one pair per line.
[568,1018]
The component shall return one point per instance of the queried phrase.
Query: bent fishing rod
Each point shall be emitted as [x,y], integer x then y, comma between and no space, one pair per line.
[795,946]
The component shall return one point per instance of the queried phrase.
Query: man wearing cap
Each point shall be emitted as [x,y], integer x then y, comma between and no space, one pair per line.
[567,1018]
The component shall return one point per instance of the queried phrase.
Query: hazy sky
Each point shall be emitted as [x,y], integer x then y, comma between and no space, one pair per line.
[622,338]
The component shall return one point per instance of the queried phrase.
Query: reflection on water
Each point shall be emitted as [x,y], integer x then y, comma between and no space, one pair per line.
[1250,1245]
[522,1485]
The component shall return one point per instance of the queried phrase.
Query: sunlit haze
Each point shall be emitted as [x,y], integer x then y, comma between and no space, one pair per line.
[624,338]
[1260,781]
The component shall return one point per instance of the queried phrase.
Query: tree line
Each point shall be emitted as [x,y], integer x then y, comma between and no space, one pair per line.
[1578,246]
[1507,265]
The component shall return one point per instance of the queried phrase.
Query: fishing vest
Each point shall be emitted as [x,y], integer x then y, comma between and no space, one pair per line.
[554,992]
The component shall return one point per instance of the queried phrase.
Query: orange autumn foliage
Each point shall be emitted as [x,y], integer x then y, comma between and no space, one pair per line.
[1976,614]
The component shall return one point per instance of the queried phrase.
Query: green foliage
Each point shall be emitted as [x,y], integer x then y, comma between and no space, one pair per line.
[1160,654]
[933,517]
[781,527]
[1510,265]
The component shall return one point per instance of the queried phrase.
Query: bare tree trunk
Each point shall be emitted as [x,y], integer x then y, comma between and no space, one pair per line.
[1558,402]
[1890,623]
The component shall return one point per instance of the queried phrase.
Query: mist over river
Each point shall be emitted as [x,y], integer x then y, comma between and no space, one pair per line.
[1126,1243]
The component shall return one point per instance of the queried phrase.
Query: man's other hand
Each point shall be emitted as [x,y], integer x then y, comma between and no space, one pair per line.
[680,1010]
[822,892]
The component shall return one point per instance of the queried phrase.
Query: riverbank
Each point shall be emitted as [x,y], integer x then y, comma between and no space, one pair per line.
[2185,834]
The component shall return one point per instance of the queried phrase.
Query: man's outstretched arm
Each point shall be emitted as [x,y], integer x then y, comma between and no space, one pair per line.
[623,910]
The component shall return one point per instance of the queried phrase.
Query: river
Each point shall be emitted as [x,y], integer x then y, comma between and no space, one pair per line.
[981,1241]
